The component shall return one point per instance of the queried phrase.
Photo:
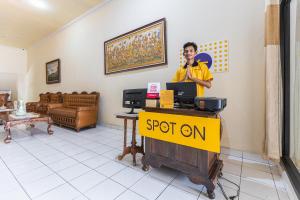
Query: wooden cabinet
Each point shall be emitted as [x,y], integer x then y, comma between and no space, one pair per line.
[201,167]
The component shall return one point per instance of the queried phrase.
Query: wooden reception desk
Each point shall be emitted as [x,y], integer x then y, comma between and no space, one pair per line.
[201,166]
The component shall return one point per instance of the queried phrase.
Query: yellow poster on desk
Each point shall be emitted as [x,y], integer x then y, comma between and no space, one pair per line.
[197,132]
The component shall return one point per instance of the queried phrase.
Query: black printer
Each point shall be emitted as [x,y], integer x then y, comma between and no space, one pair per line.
[211,104]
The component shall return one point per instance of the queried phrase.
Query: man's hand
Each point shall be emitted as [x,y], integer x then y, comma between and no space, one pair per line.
[186,76]
[189,74]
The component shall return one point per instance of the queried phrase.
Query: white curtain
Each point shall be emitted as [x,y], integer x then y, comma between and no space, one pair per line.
[274,100]
[295,83]
[295,107]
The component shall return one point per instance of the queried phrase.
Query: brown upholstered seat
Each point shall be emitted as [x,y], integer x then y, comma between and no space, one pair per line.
[76,111]
[4,102]
[68,112]
[3,99]
[45,100]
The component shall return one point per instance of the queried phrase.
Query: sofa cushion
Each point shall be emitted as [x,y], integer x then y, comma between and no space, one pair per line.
[44,98]
[80,100]
[68,112]
[55,98]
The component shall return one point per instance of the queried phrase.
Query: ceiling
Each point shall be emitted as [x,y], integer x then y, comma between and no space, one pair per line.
[24,22]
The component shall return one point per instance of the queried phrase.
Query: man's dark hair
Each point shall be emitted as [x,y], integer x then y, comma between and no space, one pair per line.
[190,44]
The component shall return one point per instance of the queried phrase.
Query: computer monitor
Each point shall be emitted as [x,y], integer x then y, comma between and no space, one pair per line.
[184,93]
[134,98]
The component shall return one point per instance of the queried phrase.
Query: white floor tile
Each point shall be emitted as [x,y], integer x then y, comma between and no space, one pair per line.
[283,195]
[102,149]
[128,160]
[34,175]
[81,198]
[129,195]
[43,185]
[275,170]
[64,192]
[7,182]
[92,145]
[19,159]
[107,190]
[73,150]
[230,177]
[231,168]
[182,182]
[84,156]
[279,183]
[28,166]
[231,152]
[96,161]
[255,157]
[87,181]
[218,193]
[258,176]
[143,186]
[231,159]
[15,194]
[127,177]
[62,164]
[63,153]
[244,196]
[44,152]
[53,158]
[113,154]
[255,189]
[173,193]
[110,168]
[265,167]
[164,174]
[73,172]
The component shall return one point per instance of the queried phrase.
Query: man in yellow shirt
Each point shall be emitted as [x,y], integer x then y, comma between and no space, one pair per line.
[193,71]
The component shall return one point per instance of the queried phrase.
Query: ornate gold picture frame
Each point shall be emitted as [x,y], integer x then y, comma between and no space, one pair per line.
[141,48]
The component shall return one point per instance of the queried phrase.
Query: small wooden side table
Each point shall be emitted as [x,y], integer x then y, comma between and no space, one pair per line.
[133,149]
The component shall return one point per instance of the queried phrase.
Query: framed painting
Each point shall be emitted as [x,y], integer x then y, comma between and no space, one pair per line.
[53,71]
[141,48]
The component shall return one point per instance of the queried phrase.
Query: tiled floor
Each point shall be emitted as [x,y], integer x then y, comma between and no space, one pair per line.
[70,165]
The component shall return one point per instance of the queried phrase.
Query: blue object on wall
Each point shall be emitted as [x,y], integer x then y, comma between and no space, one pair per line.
[204,57]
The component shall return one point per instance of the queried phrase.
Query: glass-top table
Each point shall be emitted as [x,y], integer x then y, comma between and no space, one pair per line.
[10,121]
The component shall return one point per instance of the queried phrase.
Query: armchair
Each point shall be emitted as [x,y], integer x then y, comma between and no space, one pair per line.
[4,102]
[77,110]
[32,106]
[45,101]
[3,99]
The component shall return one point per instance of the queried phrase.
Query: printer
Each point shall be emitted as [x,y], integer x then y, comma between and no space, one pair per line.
[211,104]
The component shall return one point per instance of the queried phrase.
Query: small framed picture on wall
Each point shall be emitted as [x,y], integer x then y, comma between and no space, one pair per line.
[53,71]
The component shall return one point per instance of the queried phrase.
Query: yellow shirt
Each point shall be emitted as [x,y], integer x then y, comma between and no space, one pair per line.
[198,70]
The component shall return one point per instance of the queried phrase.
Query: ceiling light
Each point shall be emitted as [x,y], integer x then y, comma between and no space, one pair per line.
[41,4]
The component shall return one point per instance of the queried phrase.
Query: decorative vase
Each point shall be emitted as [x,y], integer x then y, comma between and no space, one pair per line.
[21,111]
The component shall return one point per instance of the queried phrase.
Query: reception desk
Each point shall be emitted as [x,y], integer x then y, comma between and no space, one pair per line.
[201,166]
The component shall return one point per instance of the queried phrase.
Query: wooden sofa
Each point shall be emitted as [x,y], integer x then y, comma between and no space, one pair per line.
[77,110]
[4,102]
[3,99]
[42,106]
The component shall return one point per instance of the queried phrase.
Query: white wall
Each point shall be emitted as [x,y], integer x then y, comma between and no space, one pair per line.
[80,48]
[13,65]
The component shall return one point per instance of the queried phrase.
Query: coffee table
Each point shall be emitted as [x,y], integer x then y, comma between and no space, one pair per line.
[5,112]
[10,122]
